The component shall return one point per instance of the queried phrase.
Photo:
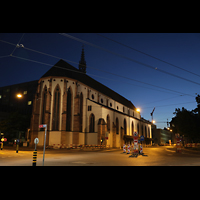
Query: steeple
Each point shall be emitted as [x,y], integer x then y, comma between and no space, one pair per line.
[82,62]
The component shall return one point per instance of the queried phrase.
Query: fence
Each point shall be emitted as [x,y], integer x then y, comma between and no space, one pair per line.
[192,145]
[76,146]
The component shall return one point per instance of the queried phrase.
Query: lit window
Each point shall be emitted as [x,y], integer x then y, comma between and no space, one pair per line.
[0,96]
[29,103]
[25,92]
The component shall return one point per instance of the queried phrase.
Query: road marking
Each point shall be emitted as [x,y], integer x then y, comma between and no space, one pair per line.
[172,151]
[79,162]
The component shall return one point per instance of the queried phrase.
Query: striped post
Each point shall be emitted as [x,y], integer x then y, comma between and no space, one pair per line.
[34,157]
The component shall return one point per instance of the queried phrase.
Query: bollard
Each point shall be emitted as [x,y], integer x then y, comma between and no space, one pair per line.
[34,157]
[17,147]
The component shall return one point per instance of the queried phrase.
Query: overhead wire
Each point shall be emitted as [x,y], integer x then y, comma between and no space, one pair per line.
[17,43]
[91,68]
[112,73]
[149,55]
[91,74]
[171,104]
[133,60]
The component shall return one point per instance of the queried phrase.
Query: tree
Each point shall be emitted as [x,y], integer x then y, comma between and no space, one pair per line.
[14,123]
[187,122]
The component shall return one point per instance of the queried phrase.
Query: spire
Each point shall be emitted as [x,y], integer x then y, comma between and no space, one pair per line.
[82,62]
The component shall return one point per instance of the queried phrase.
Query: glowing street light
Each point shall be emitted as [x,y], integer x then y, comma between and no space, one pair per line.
[153,121]
[138,110]
[19,96]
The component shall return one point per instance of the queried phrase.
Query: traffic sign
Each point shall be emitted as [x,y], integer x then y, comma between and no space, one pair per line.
[142,138]
[42,126]
[36,141]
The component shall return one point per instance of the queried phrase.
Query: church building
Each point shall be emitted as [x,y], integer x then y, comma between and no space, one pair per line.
[81,111]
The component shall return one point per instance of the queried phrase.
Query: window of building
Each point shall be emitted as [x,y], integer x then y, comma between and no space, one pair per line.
[138,129]
[92,96]
[29,103]
[110,104]
[145,131]
[101,100]
[69,110]
[117,126]
[92,125]
[81,112]
[125,132]
[132,128]
[108,123]
[25,92]
[142,129]
[44,99]
[56,109]
[89,108]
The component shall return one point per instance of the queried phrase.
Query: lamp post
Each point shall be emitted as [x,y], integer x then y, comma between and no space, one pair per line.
[19,96]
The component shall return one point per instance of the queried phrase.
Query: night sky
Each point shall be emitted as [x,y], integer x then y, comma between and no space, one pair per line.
[145,81]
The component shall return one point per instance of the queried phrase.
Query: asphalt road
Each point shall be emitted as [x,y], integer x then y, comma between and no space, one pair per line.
[154,156]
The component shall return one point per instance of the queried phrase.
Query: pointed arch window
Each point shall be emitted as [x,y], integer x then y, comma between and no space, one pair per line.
[142,129]
[117,126]
[145,131]
[44,101]
[138,129]
[81,112]
[69,110]
[108,123]
[92,125]
[132,128]
[56,109]
[125,132]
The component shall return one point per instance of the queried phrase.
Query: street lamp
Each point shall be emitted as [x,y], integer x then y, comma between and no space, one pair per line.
[19,96]
[138,110]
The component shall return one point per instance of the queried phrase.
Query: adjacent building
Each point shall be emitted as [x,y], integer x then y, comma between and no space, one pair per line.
[162,136]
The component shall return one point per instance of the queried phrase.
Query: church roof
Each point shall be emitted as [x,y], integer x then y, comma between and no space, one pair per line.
[64,69]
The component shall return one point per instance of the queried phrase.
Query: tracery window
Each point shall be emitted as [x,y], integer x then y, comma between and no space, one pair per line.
[56,109]
[92,125]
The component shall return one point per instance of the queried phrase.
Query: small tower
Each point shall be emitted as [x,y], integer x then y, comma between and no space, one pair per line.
[82,62]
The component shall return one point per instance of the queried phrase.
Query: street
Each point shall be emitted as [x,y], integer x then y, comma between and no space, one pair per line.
[154,156]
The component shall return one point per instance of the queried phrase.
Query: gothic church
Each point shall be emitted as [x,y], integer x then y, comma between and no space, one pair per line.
[79,110]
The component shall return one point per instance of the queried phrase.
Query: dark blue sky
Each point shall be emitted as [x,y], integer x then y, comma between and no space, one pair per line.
[180,49]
